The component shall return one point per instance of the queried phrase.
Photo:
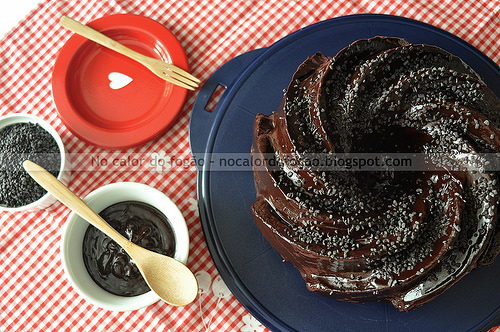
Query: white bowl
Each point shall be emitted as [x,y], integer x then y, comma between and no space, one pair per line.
[64,170]
[74,232]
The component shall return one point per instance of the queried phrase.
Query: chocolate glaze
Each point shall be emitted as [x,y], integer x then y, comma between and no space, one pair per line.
[402,238]
[108,264]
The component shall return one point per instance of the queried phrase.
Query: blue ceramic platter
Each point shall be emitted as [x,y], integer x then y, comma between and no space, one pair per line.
[270,289]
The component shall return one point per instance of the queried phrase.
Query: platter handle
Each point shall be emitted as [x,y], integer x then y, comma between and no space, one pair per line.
[207,104]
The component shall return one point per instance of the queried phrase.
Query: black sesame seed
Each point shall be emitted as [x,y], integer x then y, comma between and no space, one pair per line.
[19,142]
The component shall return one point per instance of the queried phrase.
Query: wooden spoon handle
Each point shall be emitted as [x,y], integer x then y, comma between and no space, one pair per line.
[68,198]
[100,38]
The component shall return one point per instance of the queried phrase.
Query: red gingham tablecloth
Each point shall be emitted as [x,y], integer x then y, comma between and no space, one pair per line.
[34,292]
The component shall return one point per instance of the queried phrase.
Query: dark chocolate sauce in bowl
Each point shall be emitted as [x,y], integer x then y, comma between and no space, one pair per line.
[108,264]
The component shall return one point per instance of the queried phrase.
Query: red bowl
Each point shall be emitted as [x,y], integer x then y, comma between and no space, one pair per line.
[102,108]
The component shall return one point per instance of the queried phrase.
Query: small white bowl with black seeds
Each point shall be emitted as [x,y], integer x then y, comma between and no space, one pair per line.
[24,136]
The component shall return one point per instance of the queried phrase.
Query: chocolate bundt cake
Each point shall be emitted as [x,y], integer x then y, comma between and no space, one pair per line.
[384,234]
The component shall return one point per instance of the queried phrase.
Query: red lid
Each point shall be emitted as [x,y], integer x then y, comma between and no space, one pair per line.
[109,100]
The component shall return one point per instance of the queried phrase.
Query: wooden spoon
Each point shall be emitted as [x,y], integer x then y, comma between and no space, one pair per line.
[170,279]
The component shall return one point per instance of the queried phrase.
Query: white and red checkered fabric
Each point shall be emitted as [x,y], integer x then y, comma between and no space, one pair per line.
[34,293]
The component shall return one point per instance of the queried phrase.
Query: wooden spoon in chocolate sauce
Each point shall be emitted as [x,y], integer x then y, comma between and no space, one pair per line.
[171,280]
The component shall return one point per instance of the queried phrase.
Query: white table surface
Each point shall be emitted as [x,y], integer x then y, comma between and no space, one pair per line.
[13,11]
